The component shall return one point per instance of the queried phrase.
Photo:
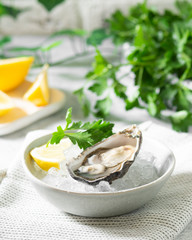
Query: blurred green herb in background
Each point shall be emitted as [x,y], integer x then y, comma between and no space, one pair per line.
[160,59]
[50,4]
[14,12]
[8,10]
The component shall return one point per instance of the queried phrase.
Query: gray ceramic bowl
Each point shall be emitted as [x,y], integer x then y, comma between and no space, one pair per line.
[101,204]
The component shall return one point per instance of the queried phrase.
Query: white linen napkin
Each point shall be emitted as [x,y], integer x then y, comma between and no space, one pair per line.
[24,215]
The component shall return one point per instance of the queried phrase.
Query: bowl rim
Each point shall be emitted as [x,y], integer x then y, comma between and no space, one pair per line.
[43,184]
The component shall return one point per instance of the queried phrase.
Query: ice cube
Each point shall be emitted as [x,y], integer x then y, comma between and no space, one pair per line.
[104,186]
[145,156]
[72,152]
[69,154]
[135,174]
[54,171]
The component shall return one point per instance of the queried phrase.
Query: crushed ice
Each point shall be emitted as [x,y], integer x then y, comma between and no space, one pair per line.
[141,172]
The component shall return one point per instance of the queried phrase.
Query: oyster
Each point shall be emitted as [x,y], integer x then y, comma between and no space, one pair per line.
[107,160]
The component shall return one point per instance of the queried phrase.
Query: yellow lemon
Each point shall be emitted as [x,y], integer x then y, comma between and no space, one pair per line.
[38,93]
[6,103]
[50,156]
[13,72]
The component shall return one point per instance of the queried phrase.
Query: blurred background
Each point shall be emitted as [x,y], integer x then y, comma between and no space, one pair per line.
[48,16]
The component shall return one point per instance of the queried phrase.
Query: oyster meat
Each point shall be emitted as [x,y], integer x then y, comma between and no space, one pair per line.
[109,159]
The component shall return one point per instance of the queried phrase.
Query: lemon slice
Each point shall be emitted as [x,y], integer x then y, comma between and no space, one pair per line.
[50,156]
[38,93]
[13,72]
[6,103]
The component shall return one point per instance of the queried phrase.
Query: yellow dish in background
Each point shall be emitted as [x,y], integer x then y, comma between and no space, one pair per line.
[13,72]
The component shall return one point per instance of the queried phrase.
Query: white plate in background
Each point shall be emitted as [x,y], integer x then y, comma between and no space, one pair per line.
[25,112]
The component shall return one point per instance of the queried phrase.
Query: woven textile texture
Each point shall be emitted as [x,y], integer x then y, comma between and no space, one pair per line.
[24,215]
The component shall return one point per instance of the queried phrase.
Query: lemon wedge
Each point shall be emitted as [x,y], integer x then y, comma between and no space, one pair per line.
[6,103]
[50,156]
[38,93]
[13,72]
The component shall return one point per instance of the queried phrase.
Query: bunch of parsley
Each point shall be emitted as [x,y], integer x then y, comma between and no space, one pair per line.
[161,59]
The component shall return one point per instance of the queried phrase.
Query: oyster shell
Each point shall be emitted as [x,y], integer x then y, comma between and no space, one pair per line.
[109,159]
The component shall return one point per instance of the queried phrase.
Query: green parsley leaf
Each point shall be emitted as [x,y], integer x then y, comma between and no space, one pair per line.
[85,103]
[101,65]
[120,90]
[50,46]
[70,32]
[83,139]
[181,120]
[68,117]
[11,11]
[99,87]
[103,106]
[4,40]
[97,36]
[86,134]
[49,5]
[57,136]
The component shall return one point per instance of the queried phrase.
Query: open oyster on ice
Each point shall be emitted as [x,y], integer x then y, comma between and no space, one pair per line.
[109,159]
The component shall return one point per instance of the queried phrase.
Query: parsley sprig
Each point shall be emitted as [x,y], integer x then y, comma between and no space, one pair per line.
[85,134]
